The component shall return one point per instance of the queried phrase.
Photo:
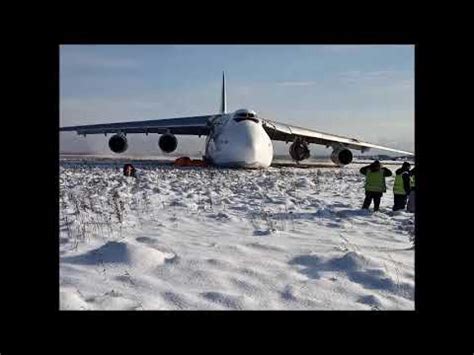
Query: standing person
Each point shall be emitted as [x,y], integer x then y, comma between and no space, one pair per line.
[375,186]
[401,187]
[411,196]
[129,170]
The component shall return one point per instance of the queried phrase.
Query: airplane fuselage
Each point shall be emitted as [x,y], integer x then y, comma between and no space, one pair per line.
[239,140]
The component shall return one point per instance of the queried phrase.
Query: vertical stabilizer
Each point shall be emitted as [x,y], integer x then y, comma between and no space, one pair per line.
[224,96]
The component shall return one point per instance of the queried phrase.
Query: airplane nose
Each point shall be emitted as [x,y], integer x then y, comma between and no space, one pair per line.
[250,146]
[247,136]
[241,144]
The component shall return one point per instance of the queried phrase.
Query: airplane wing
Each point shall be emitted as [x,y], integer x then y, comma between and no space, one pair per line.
[195,125]
[288,133]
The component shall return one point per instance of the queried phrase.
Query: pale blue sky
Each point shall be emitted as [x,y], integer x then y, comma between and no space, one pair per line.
[366,92]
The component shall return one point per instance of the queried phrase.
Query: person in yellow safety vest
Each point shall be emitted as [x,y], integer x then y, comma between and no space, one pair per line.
[411,196]
[375,186]
[401,187]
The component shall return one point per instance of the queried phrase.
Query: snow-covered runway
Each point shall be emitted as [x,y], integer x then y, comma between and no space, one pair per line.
[190,238]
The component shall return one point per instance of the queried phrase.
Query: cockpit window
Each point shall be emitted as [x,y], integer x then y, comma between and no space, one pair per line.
[241,116]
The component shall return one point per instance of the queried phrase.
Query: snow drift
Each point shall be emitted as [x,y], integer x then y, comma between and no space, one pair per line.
[191,238]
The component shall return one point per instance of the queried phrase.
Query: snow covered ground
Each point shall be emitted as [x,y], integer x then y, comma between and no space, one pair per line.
[194,239]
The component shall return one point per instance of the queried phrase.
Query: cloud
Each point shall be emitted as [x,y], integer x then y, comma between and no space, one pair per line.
[296,83]
[368,74]
[343,47]
[91,60]
[374,77]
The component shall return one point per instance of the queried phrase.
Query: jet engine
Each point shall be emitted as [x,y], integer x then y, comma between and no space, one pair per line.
[299,150]
[341,156]
[118,143]
[168,143]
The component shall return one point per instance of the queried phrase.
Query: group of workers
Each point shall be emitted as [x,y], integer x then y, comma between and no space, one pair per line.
[375,174]
[403,187]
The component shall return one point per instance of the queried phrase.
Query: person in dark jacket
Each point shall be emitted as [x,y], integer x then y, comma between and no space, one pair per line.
[375,186]
[401,187]
[411,196]
[129,170]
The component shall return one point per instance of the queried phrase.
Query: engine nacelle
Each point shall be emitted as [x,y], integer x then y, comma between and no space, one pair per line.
[168,143]
[299,150]
[341,156]
[118,143]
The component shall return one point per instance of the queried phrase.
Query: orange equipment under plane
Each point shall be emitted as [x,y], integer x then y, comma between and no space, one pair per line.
[186,161]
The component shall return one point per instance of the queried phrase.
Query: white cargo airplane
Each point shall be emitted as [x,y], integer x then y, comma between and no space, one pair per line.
[239,139]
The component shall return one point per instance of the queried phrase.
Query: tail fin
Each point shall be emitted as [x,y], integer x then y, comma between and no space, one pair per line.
[223,97]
